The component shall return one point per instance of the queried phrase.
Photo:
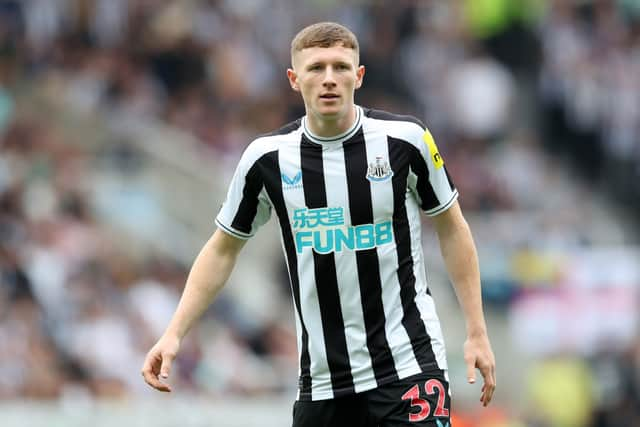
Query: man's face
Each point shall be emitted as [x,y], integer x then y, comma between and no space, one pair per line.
[326,77]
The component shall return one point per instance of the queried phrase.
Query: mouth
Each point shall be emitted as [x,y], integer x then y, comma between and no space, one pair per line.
[329,96]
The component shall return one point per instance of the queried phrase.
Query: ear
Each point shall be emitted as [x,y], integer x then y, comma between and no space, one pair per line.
[359,76]
[293,79]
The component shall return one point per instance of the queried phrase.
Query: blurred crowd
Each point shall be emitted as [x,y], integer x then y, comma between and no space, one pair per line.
[497,81]
[589,85]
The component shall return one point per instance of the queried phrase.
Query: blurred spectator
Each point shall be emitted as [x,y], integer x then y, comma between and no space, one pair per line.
[561,392]
[479,98]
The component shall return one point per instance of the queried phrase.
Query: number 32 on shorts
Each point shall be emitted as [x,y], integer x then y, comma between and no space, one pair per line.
[430,387]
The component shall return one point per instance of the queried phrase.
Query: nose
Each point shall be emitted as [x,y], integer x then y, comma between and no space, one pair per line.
[329,77]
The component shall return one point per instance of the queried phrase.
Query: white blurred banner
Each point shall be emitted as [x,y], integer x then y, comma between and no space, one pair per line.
[165,411]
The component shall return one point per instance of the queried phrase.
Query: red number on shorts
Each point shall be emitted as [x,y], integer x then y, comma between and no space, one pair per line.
[430,387]
[414,396]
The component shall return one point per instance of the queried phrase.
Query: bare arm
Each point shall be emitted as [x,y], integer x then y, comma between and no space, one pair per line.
[208,274]
[461,260]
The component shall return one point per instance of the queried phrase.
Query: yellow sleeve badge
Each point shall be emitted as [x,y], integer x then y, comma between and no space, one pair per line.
[437,159]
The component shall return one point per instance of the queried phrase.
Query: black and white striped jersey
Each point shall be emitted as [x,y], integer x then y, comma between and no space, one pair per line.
[349,212]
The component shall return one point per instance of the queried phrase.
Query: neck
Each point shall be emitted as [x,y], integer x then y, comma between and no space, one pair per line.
[328,127]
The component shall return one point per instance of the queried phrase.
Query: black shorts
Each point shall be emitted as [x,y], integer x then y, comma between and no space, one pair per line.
[419,400]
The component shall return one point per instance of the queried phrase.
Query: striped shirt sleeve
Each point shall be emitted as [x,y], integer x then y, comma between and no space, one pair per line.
[246,206]
[430,183]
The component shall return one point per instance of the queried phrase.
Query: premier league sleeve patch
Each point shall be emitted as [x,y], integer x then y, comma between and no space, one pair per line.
[435,156]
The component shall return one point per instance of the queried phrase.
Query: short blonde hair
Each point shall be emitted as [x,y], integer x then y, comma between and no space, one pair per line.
[325,34]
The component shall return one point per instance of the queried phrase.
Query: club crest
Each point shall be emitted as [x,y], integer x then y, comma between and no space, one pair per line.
[379,170]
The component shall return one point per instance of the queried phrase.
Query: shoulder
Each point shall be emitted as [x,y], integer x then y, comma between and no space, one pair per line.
[287,129]
[402,127]
[269,142]
[391,117]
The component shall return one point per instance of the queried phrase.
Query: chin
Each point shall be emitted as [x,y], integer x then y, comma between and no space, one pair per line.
[331,112]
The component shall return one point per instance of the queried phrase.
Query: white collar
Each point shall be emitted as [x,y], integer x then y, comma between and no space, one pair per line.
[337,138]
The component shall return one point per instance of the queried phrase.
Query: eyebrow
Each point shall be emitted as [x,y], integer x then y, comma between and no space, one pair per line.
[338,62]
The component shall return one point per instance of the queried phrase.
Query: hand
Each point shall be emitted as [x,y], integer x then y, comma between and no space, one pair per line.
[158,362]
[478,354]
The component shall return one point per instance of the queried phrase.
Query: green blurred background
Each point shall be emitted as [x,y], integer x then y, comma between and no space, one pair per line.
[121,122]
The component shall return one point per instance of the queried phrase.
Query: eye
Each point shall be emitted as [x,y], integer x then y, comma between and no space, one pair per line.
[315,67]
[343,67]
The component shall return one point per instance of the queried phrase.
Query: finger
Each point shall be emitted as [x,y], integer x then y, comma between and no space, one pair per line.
[158,385]
[150,376]
[151,379]
[471,371]
[487,376]
[488,388]
[493,375]
[486,396]
[154,382]
[489,395]
[165,368]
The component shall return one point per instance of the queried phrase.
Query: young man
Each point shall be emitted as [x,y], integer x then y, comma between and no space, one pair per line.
[347,184]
